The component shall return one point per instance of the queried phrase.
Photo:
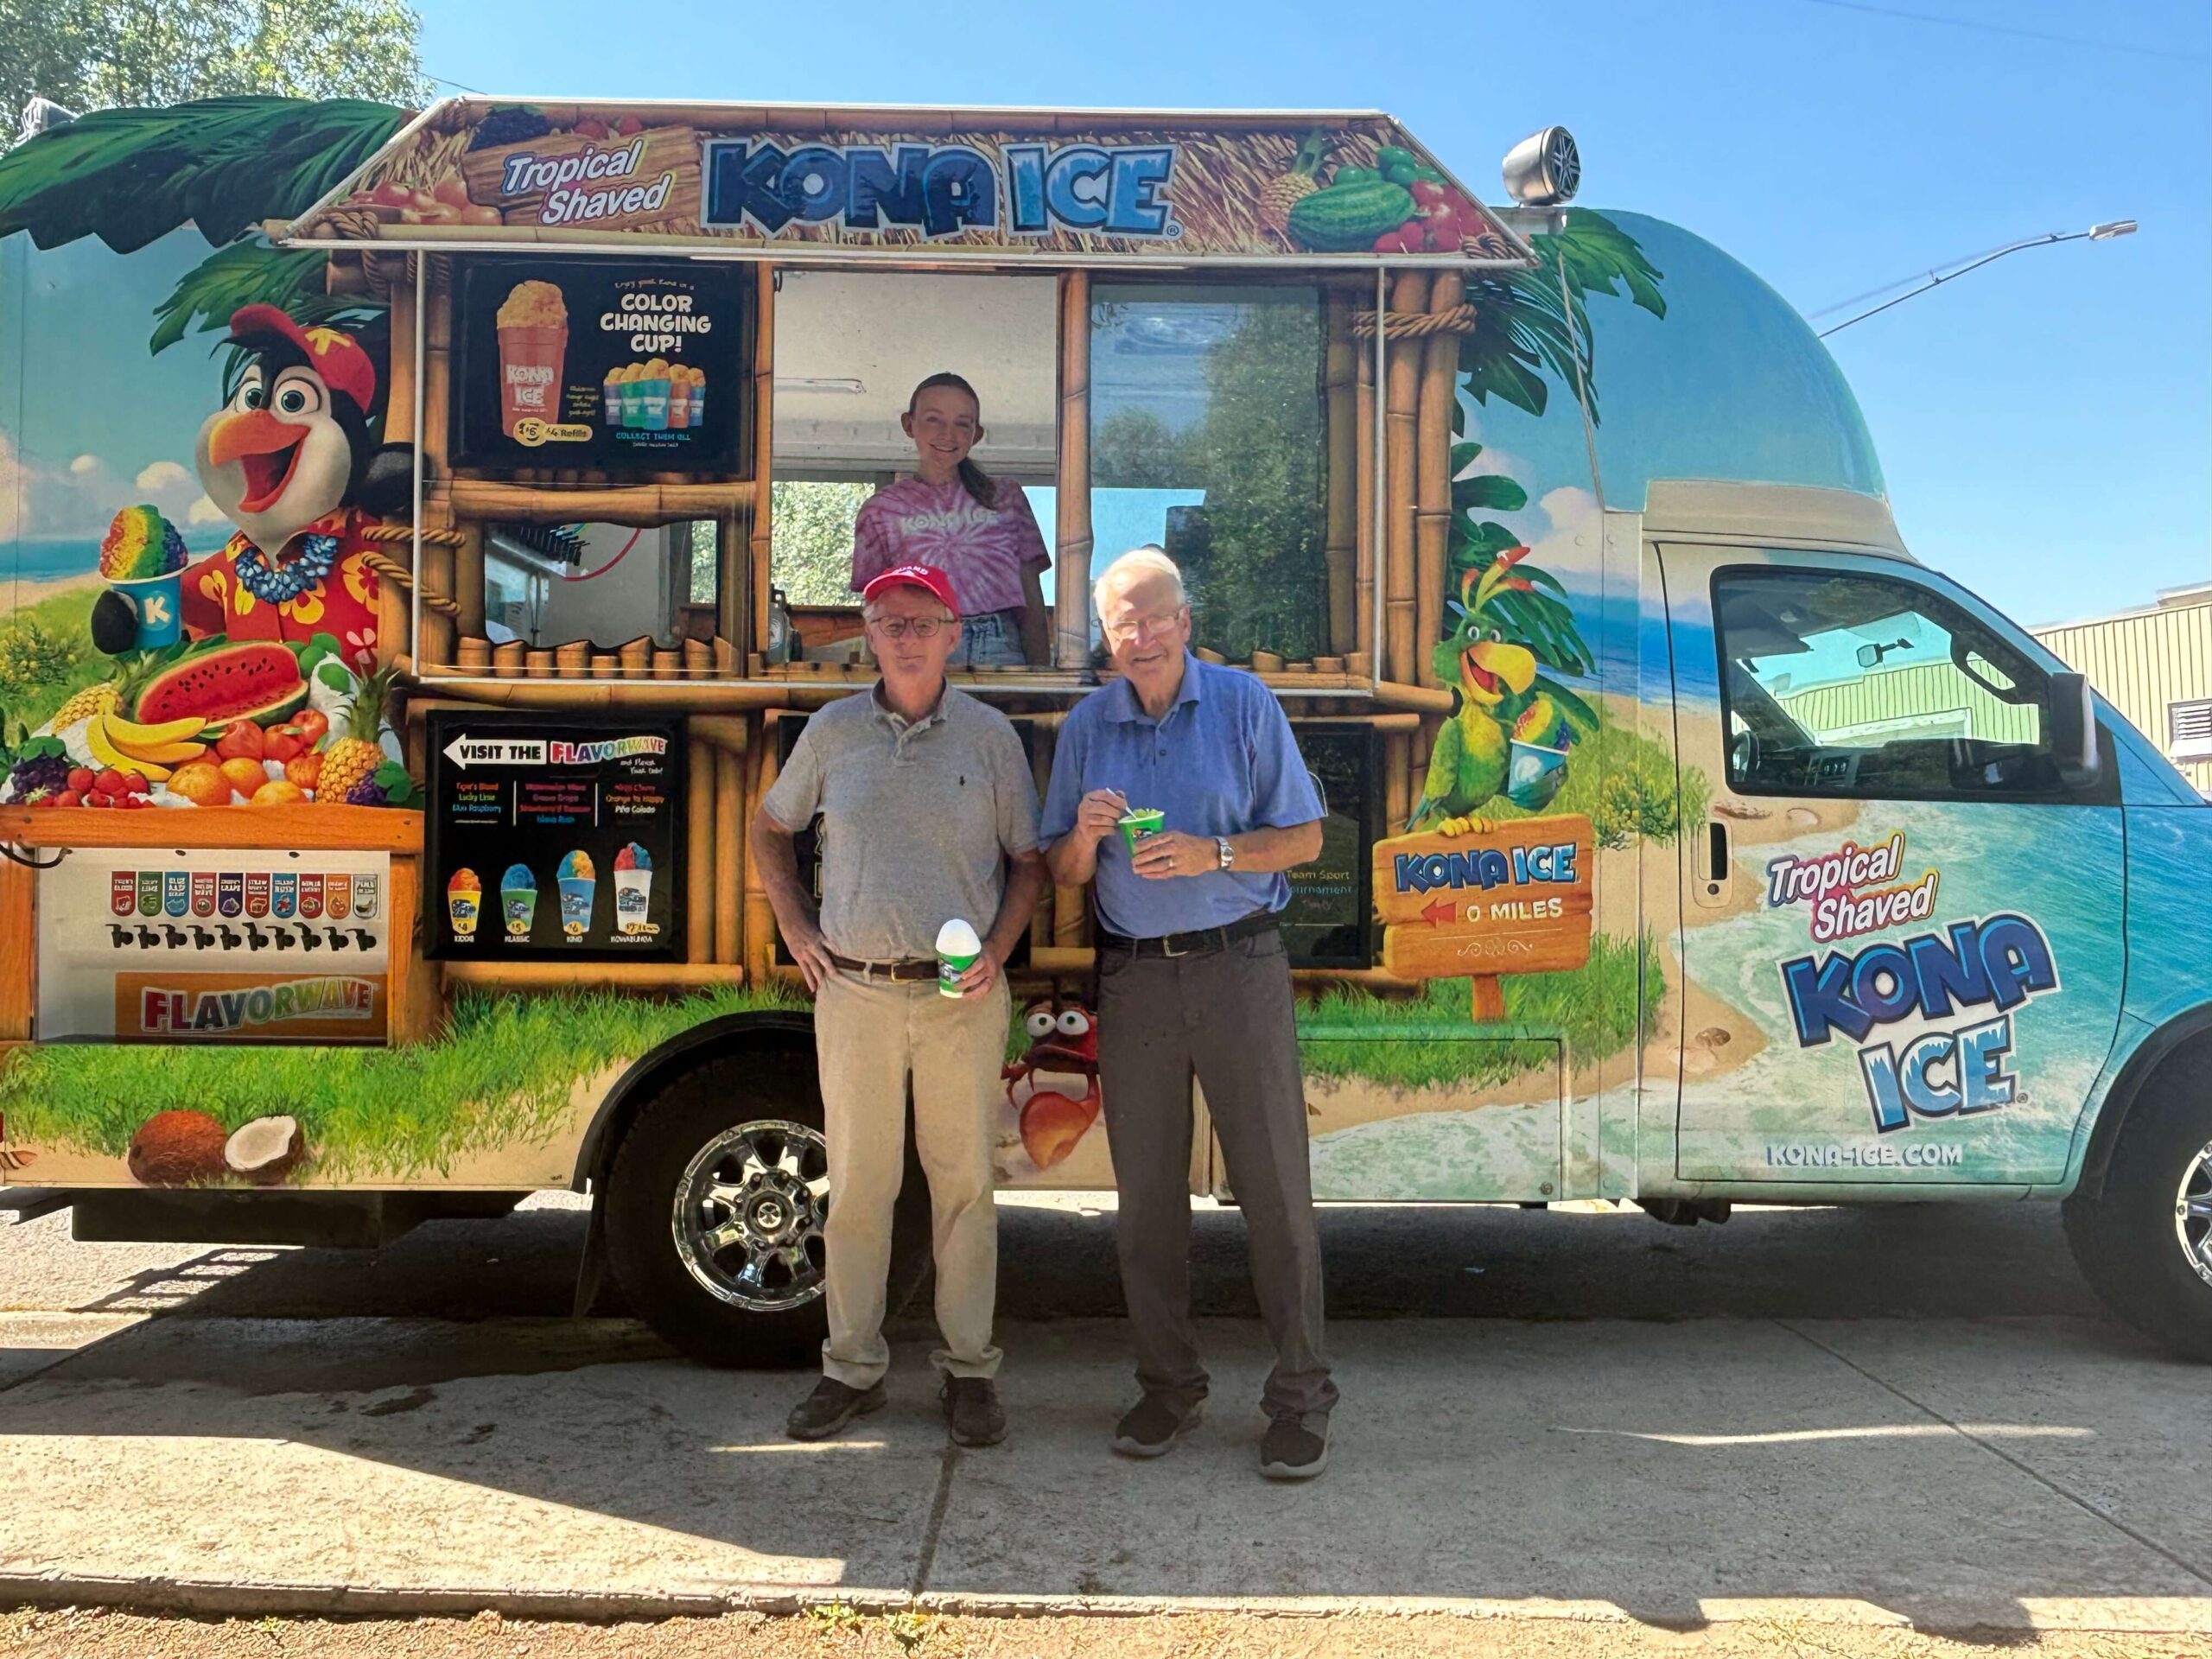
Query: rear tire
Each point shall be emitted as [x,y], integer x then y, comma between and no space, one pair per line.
[2145,1243]
[713,1210]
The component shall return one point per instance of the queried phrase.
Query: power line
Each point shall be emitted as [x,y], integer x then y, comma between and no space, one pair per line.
[1891,287]
[459,85]
[2169,52]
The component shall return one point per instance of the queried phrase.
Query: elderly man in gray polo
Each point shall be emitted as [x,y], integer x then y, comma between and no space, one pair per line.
[929,815]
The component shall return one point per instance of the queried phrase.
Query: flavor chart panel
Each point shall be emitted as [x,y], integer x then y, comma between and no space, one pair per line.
[144,945]
[551,836]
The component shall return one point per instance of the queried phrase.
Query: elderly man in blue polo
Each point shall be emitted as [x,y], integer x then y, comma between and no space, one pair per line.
[1193,980]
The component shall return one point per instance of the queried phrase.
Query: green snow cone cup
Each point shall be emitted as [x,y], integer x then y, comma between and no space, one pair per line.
[1141,823]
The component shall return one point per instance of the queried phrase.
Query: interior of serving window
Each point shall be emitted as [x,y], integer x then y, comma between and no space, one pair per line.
[1190,412]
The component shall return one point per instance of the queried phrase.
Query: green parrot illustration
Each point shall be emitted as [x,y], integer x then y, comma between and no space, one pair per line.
[1503,698]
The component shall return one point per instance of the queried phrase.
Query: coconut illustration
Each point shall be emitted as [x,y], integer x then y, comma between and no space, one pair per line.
[265,1151]
[180,1148]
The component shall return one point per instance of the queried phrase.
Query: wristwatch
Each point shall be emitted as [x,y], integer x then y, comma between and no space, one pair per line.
[1228,853]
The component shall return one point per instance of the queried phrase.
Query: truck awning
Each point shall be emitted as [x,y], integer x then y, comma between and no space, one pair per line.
[1050,189]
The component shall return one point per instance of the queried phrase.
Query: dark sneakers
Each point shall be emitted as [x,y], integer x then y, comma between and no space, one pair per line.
[1295,1448]
[830,1408]
[1153,1425]
[972,1413]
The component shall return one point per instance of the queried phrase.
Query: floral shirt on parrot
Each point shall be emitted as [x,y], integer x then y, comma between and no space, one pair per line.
[321,584]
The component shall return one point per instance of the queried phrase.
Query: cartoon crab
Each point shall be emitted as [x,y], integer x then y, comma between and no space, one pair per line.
[1053,1087]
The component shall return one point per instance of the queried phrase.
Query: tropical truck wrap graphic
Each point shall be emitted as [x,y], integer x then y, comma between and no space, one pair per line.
[1688,840]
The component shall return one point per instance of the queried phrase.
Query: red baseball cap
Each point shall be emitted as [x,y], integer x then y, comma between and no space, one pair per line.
[336,355]
[925,576]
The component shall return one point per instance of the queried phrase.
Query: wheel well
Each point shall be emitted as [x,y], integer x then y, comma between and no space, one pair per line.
[2180,1047]
[762,1033]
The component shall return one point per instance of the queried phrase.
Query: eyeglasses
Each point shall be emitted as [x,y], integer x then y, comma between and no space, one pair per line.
[1137,627]
[922,627]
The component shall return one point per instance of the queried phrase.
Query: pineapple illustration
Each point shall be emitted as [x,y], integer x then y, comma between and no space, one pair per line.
[109,696]
[1286,190]
[355,752]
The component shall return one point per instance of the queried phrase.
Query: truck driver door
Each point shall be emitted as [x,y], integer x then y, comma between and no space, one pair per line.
[1901,942]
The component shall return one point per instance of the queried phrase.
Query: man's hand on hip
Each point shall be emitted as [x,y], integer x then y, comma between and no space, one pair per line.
[1170,852]
[810,950]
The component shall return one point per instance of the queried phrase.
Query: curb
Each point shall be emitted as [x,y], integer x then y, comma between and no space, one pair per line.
[222,1598]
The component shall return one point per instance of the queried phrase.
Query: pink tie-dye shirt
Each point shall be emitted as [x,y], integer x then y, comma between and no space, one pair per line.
[983,550]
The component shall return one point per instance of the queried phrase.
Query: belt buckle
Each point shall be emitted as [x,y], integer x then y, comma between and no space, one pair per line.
[1167,946]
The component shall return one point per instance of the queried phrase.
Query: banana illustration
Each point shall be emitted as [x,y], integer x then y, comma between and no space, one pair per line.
[129,734]
[106,751]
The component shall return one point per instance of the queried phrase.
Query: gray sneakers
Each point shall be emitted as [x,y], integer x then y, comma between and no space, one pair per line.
[1153,1425]
[1295,1448]
[973,1415]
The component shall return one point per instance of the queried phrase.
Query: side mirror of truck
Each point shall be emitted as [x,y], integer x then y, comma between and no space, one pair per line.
[2073,725]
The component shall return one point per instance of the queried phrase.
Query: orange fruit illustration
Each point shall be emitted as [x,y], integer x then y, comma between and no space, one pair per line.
[278,792]
[201,783]
[245,775]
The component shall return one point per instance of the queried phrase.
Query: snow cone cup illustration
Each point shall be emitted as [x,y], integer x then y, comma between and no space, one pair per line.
[958,947]
[1537,764]
[1532,775]
[1139,823]
[533,327]
[610,390]
[679,397]
[634,888]
[464,903]
[634,395]
[698,390]
[519,901]
[653,390]
[579,881]
[143,557]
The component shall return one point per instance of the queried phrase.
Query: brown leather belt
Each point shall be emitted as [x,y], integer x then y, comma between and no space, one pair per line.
[904,972]
[1205,938]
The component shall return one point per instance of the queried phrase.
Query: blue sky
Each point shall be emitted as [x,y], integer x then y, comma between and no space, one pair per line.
[2045,426]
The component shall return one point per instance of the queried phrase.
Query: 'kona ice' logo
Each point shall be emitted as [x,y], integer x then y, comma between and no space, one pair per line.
[1999,963]
[941,189]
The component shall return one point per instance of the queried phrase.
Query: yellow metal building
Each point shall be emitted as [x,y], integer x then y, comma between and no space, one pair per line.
[2155,666]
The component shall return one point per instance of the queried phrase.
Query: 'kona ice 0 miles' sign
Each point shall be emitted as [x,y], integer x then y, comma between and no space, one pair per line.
[1503,897]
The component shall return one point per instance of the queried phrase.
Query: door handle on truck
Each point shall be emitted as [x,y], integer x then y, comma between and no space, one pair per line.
[1712,884]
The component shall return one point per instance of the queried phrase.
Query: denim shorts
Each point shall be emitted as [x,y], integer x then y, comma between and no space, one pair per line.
[990,640]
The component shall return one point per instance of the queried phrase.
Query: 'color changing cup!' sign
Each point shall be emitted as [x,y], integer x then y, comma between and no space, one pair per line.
[533,329]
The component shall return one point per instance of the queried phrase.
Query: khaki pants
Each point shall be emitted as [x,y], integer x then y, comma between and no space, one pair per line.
[870,1035]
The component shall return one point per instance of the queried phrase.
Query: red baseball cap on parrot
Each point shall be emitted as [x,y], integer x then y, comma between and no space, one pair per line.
[336,355]
[927,577]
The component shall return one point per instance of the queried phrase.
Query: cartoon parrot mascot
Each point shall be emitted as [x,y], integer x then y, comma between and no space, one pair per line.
[288,459]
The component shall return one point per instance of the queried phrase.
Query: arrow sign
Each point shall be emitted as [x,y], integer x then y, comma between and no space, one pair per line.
[495,751]
[1440,912]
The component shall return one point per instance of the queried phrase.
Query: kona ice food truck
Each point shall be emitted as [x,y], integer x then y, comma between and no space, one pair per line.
[427,533]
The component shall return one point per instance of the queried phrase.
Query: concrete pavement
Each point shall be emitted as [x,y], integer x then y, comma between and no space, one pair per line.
[2038,1468]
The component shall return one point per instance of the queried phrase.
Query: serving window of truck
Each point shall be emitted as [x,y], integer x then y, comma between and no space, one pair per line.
[387,696]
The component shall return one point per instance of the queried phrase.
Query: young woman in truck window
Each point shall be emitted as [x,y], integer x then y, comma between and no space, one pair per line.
[951,514]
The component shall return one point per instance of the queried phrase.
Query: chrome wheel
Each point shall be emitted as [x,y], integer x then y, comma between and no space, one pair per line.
[748,1217]
[2193,1213]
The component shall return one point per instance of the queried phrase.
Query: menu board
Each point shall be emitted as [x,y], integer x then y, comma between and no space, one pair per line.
[555,836]
[607,363]
[1328,923]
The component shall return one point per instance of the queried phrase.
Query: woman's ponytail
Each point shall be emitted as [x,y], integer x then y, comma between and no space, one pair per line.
[981,487]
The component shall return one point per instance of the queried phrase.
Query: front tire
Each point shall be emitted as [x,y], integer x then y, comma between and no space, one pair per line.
[714,1207]
[2145,1243]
